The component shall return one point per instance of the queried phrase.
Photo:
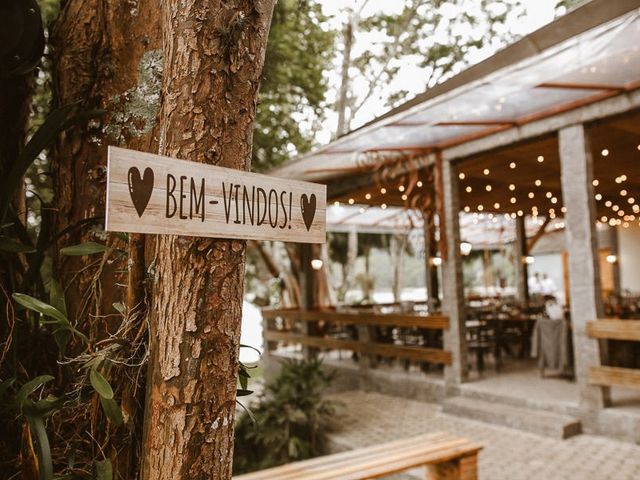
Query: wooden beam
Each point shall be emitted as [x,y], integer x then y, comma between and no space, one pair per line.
[420,354]
[581,86]
[614,377]
[539,234]
[476,123]
[434,322]
[614,329]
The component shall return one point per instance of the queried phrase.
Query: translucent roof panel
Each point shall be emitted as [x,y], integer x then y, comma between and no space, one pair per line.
[481,230]
[575,71]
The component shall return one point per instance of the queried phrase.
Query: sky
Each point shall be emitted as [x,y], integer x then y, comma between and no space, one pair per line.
[537,13]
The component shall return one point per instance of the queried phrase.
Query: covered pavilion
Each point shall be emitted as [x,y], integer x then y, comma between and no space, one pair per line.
[543,136]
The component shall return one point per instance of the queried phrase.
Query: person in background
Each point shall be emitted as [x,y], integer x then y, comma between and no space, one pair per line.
[535,285]
[548,286]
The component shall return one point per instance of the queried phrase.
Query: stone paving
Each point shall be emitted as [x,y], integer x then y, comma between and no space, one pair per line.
[366,418]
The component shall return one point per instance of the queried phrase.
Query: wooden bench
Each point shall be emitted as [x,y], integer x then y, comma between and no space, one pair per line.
[444,456]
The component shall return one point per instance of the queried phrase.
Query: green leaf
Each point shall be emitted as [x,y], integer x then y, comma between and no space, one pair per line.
[36,424]
[56,296]
[119,307]
[45,309]
[100,384]
[55,122]
[88,248]
[8,244]
[112,410]
[29,387]
[243,392]
[104,470]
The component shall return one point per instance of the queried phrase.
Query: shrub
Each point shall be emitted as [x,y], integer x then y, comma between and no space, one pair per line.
[290,420]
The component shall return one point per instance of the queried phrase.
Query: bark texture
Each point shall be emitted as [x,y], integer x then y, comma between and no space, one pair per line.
[213,53]
[106,55]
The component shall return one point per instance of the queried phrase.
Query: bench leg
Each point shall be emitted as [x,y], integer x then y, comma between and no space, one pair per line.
[465,468]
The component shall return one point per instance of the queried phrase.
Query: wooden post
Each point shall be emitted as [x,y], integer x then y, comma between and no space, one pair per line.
[584,270]
[307,292]
[431,271]
[522,274]
[452,286]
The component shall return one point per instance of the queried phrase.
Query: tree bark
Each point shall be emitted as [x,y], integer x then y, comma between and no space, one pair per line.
[343,98]
[213,54]
[105,55]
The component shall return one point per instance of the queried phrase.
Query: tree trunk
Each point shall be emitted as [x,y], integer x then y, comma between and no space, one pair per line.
[105,55]
[343,98]
[213,54]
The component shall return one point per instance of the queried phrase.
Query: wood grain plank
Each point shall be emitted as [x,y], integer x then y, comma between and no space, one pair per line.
[614,377]
[190,198]
[434,322]
[375,461]
[614,329]
[433,355]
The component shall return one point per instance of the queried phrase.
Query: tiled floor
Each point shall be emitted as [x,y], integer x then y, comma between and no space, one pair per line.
[371,418]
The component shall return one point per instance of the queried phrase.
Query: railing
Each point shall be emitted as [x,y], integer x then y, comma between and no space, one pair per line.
[614,329]
[362,346]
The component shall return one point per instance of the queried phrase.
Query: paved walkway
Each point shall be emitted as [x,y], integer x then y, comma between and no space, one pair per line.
[370,418]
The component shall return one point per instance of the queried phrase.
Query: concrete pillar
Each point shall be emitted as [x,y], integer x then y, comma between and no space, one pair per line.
[521,250]
[452,286]
[584,270]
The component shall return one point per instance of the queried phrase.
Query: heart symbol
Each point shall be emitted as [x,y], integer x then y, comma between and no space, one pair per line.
[140,188]
[308,207]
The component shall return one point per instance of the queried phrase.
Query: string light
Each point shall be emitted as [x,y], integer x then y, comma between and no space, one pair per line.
[549,195]
[461,176]
[401,188]
[631,200]
[404,197]
[512,199]
[623,193]
[604,152]
[538,182]
[468,189]
[554,200]
[336,203]
[480,208]
[486,171]
[383,190]
[368,196]
[351,201]
[598,196]
[383,206]
[531,194]
[563,209]
[488,188]
[512,165]
[608,203]
[419,184]
[540,159]
[496,205]
[512,187]
[596,183]
[467,208]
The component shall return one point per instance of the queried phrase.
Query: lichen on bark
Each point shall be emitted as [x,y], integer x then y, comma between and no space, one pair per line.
[134,112]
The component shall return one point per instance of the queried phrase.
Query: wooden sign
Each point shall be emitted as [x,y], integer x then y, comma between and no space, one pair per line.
[149,193]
